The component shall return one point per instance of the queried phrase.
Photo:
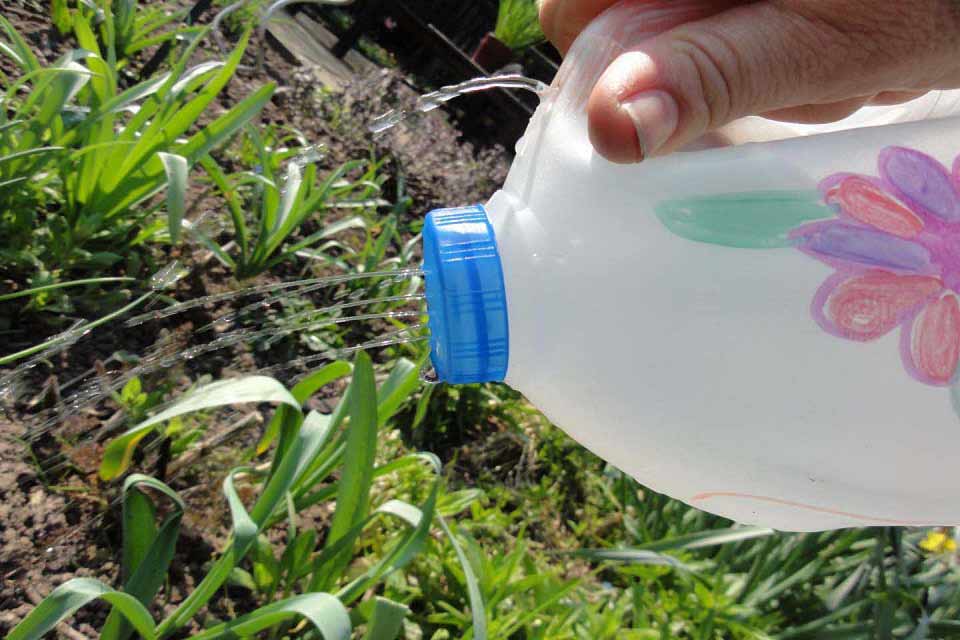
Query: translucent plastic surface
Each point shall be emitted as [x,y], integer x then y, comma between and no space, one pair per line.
[767,331]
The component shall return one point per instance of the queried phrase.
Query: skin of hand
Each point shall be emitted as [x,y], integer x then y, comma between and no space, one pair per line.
[809,61]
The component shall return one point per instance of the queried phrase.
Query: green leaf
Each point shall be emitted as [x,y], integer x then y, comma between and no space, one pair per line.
[750,220]
[61,285]
[402,552]
[628,556]
[226,125]
[302,392]
[139,528]
[70,596]
[241,578]
[117,454]
[477,608]
[176,169]
[325,612]
[19,50]
[709,538]
[147,549]
[384,618]
[353,498]
[403,380]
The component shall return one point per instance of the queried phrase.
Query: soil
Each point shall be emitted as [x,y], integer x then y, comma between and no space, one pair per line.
[57,519]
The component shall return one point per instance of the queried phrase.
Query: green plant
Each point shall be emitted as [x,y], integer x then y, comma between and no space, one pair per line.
[518,24]
[284,193]
[123,27]
[80,159]
[309,449]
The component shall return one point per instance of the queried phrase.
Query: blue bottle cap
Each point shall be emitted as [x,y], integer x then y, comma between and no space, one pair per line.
[466,299]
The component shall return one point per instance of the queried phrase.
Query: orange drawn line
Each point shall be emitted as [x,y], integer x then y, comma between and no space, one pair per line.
[789,503]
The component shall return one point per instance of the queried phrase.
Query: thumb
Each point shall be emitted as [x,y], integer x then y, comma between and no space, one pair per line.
[822,59]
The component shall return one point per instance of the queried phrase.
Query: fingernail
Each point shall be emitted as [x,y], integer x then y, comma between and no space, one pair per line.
[655,115]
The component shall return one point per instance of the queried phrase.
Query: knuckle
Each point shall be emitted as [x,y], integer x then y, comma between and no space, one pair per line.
[711,77]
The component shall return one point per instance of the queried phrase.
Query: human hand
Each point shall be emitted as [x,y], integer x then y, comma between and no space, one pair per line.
[807,61]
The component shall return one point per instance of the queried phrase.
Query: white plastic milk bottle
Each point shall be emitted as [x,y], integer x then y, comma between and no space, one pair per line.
[769,331]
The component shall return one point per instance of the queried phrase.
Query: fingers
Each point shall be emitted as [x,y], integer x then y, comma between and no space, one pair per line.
[563,20]
[818,113]
[768,57]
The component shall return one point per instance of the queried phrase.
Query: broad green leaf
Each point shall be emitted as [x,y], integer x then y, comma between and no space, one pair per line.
[241,578]
[135,93]
[117,454]
[384,618]
[176,169]
[353,498]
[70,596]
[147,549]
[403,380]
[325,612]
[750,220]
[244,528]
[194,75]
[289,197]
[139,527]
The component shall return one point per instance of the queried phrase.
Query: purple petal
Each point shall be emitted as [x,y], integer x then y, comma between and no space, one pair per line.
[921,182]
[956,173]
[838,242]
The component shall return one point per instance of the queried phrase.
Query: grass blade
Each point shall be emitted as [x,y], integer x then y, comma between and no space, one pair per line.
[60,285]
[709,538]
[477,609]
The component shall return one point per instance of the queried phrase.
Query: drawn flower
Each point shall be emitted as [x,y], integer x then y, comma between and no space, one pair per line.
[895,246]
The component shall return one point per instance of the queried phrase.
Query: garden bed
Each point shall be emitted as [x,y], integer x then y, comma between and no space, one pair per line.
[65,523]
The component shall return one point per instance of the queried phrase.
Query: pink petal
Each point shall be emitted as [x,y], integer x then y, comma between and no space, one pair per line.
[935,347]
[867,306]
[864,201]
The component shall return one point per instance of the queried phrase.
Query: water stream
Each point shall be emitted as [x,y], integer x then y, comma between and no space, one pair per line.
[430,101]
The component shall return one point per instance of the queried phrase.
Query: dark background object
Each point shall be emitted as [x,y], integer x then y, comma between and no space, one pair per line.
[438,39]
